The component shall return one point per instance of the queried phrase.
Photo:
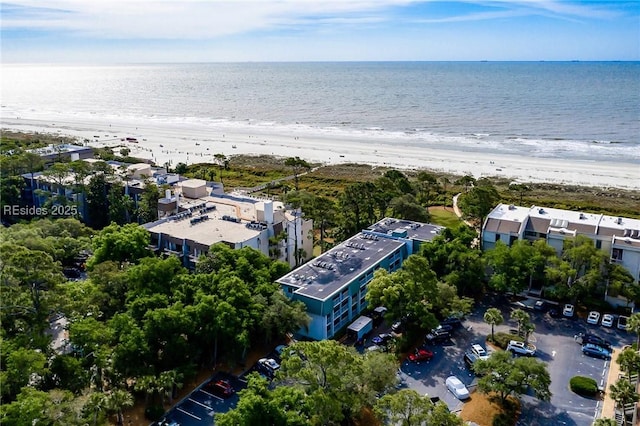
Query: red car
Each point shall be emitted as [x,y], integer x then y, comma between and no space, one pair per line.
[421,355]
[220,388]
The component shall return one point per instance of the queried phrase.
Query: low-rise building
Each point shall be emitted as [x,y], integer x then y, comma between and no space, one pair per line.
[617,236]
[333,285]
[62,152]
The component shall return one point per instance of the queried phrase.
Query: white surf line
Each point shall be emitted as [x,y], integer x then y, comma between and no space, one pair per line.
[189,414]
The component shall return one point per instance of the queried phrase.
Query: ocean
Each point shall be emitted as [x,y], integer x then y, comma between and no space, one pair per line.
[571,110]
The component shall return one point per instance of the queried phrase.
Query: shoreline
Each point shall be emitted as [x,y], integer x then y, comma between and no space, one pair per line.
[192,143]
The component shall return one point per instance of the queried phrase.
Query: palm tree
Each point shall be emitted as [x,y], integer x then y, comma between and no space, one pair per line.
[633,324]
[623,393]
[168,381]
[605,422]
[525,327]
[493,317]
[117,401]
[96,404]
[629,361]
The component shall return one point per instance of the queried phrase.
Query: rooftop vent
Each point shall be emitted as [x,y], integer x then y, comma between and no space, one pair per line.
[619,221]
[541,211]
[582,216]
[512,207]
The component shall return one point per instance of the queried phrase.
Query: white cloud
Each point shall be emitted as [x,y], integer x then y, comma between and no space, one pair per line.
[190,19]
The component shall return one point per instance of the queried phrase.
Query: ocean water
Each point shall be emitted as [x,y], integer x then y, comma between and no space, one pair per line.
[573,110]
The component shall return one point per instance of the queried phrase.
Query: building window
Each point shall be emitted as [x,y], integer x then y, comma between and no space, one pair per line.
[598,244]
[616,254]
[497,237]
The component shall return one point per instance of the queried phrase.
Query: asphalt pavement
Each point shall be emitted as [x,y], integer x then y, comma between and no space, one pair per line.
[554,339]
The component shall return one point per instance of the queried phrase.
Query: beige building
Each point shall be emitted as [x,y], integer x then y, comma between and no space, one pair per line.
[195,216]
[618,236]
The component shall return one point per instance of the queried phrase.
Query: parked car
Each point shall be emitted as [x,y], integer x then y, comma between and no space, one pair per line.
[593,318]
[479,351]
[397,327]
[454,322]
[269,366]
[541,306]
[607,320]
[596,351]
[457,388]
[593,339]
[381,339]
[421,354]
[521,348]
[622,322]
[568,310]
[437,336]
[220,388]
[555,312]
[470,358]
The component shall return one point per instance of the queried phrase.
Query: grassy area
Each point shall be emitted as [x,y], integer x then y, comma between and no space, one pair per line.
[483,411]
[444,216]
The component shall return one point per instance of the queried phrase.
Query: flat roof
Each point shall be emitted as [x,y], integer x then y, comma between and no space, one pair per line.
[415,230]
[557,219]
[206,232]
[327,274]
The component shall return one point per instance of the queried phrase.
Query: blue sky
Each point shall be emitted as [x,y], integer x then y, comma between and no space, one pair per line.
[123,31]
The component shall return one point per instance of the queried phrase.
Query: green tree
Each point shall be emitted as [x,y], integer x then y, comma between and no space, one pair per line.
[95,406]
[525,326]
[407,207]
[605,422]
[633,325]
[493,317]
[123,244]
[478,202]
[629,361]
[298,165]
[22,367]
[331,376]
[121,206]
[405,408]
[148,204]
[624,394]
[117,401]
[505,376]
[284,405]
[97,202]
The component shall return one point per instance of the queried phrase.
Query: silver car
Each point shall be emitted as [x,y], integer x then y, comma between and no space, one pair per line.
[457,388]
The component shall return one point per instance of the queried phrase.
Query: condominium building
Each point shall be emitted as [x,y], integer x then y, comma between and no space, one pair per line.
[617,236]
[195,216]
[333,285]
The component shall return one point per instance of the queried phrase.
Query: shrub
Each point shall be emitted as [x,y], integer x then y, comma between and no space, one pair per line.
[502,339]
[584,386]
[154,412]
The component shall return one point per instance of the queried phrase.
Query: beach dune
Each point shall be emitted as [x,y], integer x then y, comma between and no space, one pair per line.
[164,142]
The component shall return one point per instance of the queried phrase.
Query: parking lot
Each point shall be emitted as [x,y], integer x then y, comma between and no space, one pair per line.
[200,406]
[555,345]
[554,338]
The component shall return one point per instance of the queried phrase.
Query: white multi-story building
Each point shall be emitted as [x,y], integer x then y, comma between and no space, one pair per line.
[194,216]
[618,236]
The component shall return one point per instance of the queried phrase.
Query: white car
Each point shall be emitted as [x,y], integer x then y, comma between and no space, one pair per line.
[478,350]
[457,388]
[607,320]
[521,349]
[593,317]
[622,322]
[269,363]
[568,310]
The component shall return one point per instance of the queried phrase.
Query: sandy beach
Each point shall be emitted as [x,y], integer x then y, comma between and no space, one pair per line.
[190,143]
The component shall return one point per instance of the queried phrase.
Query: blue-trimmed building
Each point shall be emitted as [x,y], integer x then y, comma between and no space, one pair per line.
[333,285]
